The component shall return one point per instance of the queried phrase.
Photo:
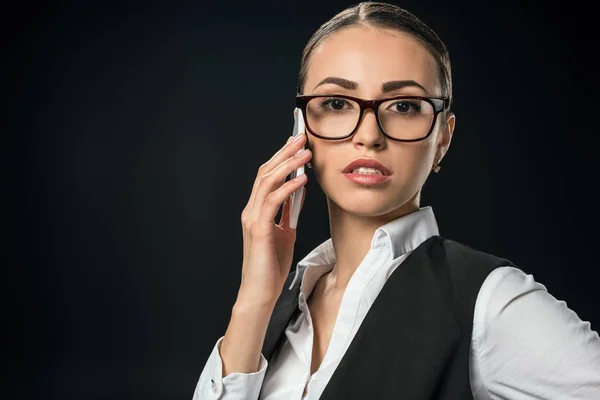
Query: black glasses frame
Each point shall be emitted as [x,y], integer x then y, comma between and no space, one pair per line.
[438,105]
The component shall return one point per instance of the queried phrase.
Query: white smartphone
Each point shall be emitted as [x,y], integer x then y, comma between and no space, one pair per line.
[296,196]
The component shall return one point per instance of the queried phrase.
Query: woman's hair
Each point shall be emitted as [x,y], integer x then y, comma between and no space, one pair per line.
[383,15]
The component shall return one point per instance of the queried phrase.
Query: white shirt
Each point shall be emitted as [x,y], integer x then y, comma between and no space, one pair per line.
[525,345]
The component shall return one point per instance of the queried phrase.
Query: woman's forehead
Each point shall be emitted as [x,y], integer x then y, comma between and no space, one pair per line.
[369,57]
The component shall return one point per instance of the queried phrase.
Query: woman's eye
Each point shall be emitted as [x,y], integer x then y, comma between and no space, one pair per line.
[407,106]
[334,104]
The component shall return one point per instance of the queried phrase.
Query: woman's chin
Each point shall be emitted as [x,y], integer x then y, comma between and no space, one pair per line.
[367,204]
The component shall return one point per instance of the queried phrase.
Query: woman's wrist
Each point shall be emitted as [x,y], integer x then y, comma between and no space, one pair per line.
[247,304]
[242,345]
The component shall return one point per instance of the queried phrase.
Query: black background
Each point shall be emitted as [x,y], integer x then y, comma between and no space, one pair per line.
[133,146]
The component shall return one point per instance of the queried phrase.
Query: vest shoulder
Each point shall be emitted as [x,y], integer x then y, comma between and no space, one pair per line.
[457,251]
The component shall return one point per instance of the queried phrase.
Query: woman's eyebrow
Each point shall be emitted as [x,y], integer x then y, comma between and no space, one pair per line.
[393,85]
[386,87]
[345,83]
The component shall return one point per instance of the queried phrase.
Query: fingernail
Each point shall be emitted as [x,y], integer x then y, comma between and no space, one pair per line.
[297,138]
[290,139]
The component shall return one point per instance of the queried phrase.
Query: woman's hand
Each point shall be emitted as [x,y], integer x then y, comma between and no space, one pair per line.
[269,247]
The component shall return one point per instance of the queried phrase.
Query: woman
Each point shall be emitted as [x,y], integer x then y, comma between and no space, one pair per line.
[385,308]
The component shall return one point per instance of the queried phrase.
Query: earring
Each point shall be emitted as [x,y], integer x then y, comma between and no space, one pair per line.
[309,165]
[436,168]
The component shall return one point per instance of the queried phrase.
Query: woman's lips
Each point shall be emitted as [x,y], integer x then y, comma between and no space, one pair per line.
[367,179]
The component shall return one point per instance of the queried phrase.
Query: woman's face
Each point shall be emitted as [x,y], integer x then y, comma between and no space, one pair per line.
[370,57]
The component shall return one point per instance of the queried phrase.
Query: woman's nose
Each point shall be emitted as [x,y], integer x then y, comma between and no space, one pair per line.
[368,132]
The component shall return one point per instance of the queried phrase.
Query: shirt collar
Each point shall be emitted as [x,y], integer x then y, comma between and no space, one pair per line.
[401,236]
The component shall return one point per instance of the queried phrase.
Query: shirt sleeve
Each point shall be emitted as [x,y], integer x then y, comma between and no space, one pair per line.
[528,345]
[235,386]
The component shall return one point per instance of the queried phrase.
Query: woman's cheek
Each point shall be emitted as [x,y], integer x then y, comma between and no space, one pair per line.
[411,172]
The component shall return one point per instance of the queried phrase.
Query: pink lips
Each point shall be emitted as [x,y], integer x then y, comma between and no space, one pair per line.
[366,179]
[366,162]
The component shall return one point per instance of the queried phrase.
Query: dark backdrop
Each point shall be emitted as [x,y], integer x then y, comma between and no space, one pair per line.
[133,146]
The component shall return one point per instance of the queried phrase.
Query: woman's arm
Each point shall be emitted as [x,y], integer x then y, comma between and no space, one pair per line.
[268,253]
[529,345]
[243,341]
[236,367]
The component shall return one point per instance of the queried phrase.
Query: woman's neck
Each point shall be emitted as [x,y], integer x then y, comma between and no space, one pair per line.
[351,236]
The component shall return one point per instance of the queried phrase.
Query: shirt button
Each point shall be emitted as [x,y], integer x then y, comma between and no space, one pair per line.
[214,386]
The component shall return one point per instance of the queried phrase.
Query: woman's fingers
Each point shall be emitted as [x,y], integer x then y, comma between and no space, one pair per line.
[276,177]
[274,200]
[287,151]
[284,220]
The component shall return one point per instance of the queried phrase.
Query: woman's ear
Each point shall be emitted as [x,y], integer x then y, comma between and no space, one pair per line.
[450,121]
[445,135]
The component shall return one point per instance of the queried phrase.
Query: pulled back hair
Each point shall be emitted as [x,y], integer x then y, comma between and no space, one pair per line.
[387,16]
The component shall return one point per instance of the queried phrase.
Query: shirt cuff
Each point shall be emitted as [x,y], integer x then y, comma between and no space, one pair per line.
[236,385]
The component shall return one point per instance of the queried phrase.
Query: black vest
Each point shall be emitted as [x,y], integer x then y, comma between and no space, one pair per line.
[415,339]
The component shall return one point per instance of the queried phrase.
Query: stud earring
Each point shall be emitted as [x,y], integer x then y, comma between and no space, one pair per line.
[309,165]
[436,168]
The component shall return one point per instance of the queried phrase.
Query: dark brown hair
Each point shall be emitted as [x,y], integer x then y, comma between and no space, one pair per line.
[389,16]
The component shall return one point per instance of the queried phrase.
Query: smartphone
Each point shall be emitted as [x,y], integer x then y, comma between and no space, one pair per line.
[296,196]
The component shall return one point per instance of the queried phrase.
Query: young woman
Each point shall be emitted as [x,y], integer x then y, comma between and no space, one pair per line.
[385,308]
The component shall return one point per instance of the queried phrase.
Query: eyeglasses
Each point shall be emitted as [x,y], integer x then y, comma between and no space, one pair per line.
[401,118]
